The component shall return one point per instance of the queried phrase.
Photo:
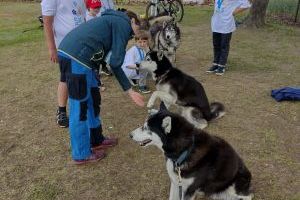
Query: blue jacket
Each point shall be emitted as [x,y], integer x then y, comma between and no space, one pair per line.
[286,93]
[97,37]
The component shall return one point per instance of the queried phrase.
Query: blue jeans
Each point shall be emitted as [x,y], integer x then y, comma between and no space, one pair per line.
[84,105]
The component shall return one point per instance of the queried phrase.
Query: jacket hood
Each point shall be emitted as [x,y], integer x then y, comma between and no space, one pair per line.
[116,13]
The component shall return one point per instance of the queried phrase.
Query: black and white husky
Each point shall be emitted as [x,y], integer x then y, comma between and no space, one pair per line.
[177,88]
[165,36]
[196,161]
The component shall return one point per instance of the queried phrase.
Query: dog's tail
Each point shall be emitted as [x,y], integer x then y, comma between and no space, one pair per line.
[217,110]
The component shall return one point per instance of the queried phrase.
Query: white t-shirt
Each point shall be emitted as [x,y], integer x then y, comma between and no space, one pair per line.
[222,20]
[88,16]
[105,5]
[133,55]
[68,14]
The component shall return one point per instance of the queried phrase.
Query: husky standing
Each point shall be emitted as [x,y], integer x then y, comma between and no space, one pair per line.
[196,161]
[165,35]
[177,88]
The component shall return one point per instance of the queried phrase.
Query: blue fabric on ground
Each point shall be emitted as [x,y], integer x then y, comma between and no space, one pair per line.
[286,93]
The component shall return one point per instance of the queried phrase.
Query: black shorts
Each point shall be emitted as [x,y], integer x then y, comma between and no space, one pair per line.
[64,67]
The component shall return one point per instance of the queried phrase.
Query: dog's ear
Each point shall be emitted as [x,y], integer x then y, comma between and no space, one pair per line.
[167,124]
[152,112]
[162,107]
[160,54]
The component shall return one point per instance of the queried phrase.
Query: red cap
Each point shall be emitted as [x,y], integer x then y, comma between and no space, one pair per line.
[93,4]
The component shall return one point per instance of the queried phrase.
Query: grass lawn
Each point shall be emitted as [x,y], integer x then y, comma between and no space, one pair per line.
[35,153]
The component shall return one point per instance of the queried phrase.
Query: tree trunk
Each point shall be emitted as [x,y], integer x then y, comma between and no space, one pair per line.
[257,13]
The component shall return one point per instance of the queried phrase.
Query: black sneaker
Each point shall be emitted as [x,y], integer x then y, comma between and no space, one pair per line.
[144,89]
[212,69]
[106,71]
[220,71]
[62,119]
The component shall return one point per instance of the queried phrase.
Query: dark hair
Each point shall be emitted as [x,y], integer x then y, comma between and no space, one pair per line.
[131,15]
[144,24]
[142,34]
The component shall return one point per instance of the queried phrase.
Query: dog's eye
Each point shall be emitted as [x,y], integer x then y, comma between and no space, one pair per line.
[148,59]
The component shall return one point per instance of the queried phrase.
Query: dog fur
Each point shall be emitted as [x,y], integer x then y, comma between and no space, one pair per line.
[212,168]
[174,87]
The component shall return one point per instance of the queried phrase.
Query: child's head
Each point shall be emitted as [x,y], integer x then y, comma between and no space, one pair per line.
[93,6]
[141,39]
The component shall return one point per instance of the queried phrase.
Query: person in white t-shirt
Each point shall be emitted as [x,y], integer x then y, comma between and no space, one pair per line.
[223,24]
[132,61]
[60,17]
[106,5]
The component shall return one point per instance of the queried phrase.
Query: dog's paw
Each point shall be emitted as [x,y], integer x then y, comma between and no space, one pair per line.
[152,111]
[150,104]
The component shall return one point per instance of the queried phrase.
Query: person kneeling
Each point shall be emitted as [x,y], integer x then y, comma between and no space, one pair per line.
[132,60]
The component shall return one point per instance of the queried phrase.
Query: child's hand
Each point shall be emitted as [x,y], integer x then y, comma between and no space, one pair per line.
[53,55]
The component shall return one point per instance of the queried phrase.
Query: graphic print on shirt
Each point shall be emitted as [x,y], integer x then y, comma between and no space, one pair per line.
[222,4]
[77,14]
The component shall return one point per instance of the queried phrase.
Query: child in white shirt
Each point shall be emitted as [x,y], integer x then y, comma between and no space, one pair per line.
[132,60]
[106,5]
[223,24]
[93,9]
[59,18]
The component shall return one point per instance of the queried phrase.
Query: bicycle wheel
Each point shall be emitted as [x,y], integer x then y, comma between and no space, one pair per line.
[176,10]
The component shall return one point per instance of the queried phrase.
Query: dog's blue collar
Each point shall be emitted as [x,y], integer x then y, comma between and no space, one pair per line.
[184,155]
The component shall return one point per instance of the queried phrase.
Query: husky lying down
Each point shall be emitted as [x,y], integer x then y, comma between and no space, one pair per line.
[177,88]
[206,164]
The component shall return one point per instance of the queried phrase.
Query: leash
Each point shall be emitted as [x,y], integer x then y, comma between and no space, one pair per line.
[181,159]
[178,170]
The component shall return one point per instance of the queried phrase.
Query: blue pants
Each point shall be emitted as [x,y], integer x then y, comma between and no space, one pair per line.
[84,105]
[221,44]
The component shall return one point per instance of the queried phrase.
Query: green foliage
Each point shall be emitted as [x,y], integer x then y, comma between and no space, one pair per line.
[287,7]
[19,23]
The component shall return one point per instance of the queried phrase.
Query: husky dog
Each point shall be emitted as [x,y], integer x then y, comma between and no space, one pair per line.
[165,36]
[196,161]
[177,88]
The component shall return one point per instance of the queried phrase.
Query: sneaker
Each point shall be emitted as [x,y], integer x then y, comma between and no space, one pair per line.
[105,71]
[62,119]
[107,142]
[144,89]
[96,156]
[220,71]
[212,69]
[133,82]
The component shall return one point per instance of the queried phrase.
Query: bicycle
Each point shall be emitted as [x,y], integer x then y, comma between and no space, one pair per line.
[173,8]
